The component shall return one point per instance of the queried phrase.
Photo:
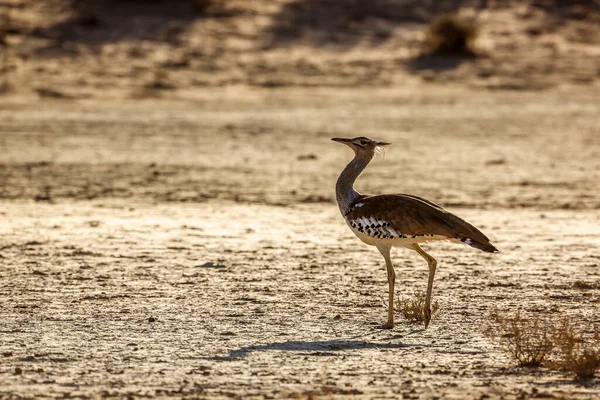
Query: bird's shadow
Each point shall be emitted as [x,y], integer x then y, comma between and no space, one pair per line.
[315,348]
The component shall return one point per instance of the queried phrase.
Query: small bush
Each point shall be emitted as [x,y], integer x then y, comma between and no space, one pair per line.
[529,341]
[451,35]
[583,365]
[413,308]
[533,342]
[577,356]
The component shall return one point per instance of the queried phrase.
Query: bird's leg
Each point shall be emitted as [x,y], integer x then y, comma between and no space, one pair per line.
[432,266]
[384,249]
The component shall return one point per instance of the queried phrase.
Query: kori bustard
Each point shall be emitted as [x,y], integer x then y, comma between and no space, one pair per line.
[398,220]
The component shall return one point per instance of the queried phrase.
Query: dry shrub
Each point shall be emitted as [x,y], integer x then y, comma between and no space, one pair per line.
[413,308]
[529,341]
[451,35]
[533,342]
[577,356]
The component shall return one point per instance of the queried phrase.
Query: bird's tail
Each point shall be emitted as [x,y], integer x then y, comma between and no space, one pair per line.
[488,247]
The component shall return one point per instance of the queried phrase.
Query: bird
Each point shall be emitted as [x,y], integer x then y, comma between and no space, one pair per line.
[398,220]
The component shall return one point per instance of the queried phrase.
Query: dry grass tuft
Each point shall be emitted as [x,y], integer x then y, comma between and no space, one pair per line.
[529,340]
[533,342]
[451,35]
[413,308]
[577,356]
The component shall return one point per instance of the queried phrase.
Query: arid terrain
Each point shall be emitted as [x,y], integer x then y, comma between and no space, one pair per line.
[169,226]
[194,249]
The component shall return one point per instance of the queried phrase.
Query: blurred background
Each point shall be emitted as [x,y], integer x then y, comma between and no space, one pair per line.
[250,91]
[151,48]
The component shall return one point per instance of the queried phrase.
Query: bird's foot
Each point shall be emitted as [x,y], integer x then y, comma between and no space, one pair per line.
[427,317]
[388,325]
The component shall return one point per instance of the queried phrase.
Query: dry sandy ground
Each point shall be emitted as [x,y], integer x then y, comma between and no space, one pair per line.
[192,248]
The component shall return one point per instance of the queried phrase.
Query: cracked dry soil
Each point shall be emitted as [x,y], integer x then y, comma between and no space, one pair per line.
[187,250]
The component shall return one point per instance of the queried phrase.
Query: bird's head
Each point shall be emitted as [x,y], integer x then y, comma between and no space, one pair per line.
[362,145]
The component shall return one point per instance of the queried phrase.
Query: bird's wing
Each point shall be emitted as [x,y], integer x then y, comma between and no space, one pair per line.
[410,216]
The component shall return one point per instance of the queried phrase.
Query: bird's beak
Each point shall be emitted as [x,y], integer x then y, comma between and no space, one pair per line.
[341,140]
[382,143]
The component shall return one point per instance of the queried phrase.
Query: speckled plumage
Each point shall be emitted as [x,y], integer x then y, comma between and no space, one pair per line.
[403,216]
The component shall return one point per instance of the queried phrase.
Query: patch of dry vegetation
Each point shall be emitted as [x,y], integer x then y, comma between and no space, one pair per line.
[529,340]
[413,308]
[452,35]
[578,356]
[533,341]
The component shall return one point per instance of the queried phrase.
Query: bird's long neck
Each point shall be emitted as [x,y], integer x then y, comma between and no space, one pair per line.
[344,187]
